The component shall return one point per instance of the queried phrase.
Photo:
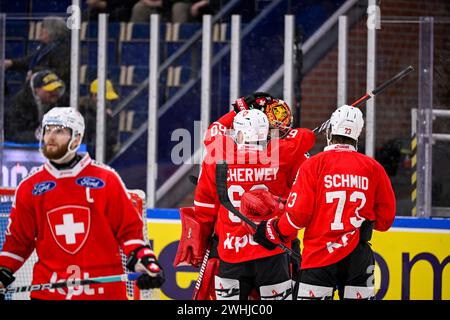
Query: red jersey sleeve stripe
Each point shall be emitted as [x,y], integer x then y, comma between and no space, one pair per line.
[205,205]
[134,242]
[292,223]
[286,226]
[12,256]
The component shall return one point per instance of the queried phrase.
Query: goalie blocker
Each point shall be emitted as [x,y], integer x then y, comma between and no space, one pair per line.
[197,246]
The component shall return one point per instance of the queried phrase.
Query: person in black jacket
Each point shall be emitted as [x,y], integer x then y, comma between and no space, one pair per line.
[52,53]
[24,114]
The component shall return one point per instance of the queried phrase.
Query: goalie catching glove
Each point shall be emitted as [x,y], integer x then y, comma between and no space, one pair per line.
[259,205]
[143,259]
[6,278]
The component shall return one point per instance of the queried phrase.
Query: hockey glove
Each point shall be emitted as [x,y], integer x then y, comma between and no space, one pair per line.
[257,100]
[143,259]
[6,278]
[267,234]
[259,205]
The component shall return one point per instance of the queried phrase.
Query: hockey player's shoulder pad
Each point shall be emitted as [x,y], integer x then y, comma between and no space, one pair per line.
[98,164]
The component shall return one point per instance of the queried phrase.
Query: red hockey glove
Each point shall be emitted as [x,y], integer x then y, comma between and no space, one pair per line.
[259,205]
[194,240]
[267,234]
[6,278]
[143,259]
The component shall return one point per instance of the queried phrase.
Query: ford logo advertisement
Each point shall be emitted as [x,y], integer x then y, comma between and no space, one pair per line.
[90,182]
[43,187]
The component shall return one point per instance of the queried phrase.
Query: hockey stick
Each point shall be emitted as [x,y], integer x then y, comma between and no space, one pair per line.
[221,183]
[198,283]
[370,94]
[193,179]
[72,283]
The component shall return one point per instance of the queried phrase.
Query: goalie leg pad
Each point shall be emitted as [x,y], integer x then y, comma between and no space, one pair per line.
[311,292]
[227,289]
[278,291]
[206,289]
[353,292]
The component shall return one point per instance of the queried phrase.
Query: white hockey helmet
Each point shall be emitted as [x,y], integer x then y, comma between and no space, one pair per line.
[66,117]
[346,121]
[253,125]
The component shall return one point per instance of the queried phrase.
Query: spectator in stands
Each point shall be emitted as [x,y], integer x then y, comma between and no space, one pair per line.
[184,11]
[52,53]
[118,10]
[24,114]
[144,8]
[88,108]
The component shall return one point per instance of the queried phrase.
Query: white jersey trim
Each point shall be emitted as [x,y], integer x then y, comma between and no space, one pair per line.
[291,223]
[12,255]
[134,241]
[340,147]
[205,205]
[73,172]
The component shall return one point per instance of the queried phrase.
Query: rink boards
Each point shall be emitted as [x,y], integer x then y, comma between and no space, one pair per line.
[412,258]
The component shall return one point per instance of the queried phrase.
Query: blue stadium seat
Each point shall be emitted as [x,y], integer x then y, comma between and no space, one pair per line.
[187,30]
[17,29]
[185,59]
[113,30]
[113,74]
[14,49]
[140,74]
[88,52]
[135,53]
[84,90]
[50,6]
[141,31]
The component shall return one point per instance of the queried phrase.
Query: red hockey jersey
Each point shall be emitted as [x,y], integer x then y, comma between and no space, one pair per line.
[219,127]
[335,191]
[76,219]
[273,169]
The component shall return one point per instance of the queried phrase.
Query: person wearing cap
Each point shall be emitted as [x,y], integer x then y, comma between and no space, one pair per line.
[28,106]
[88,108]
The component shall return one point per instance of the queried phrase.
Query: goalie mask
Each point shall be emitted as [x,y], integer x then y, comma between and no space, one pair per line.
[65,117]
[346,121]
[279,116]
[250,127]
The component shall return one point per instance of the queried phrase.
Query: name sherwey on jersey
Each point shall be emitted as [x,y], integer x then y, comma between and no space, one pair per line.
[252,174]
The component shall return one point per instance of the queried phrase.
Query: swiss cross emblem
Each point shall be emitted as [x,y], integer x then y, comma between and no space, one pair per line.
[70,227]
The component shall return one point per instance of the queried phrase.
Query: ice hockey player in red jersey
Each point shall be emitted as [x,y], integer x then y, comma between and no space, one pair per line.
[254,165]
[76,213]
[191,250]
[338,197]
